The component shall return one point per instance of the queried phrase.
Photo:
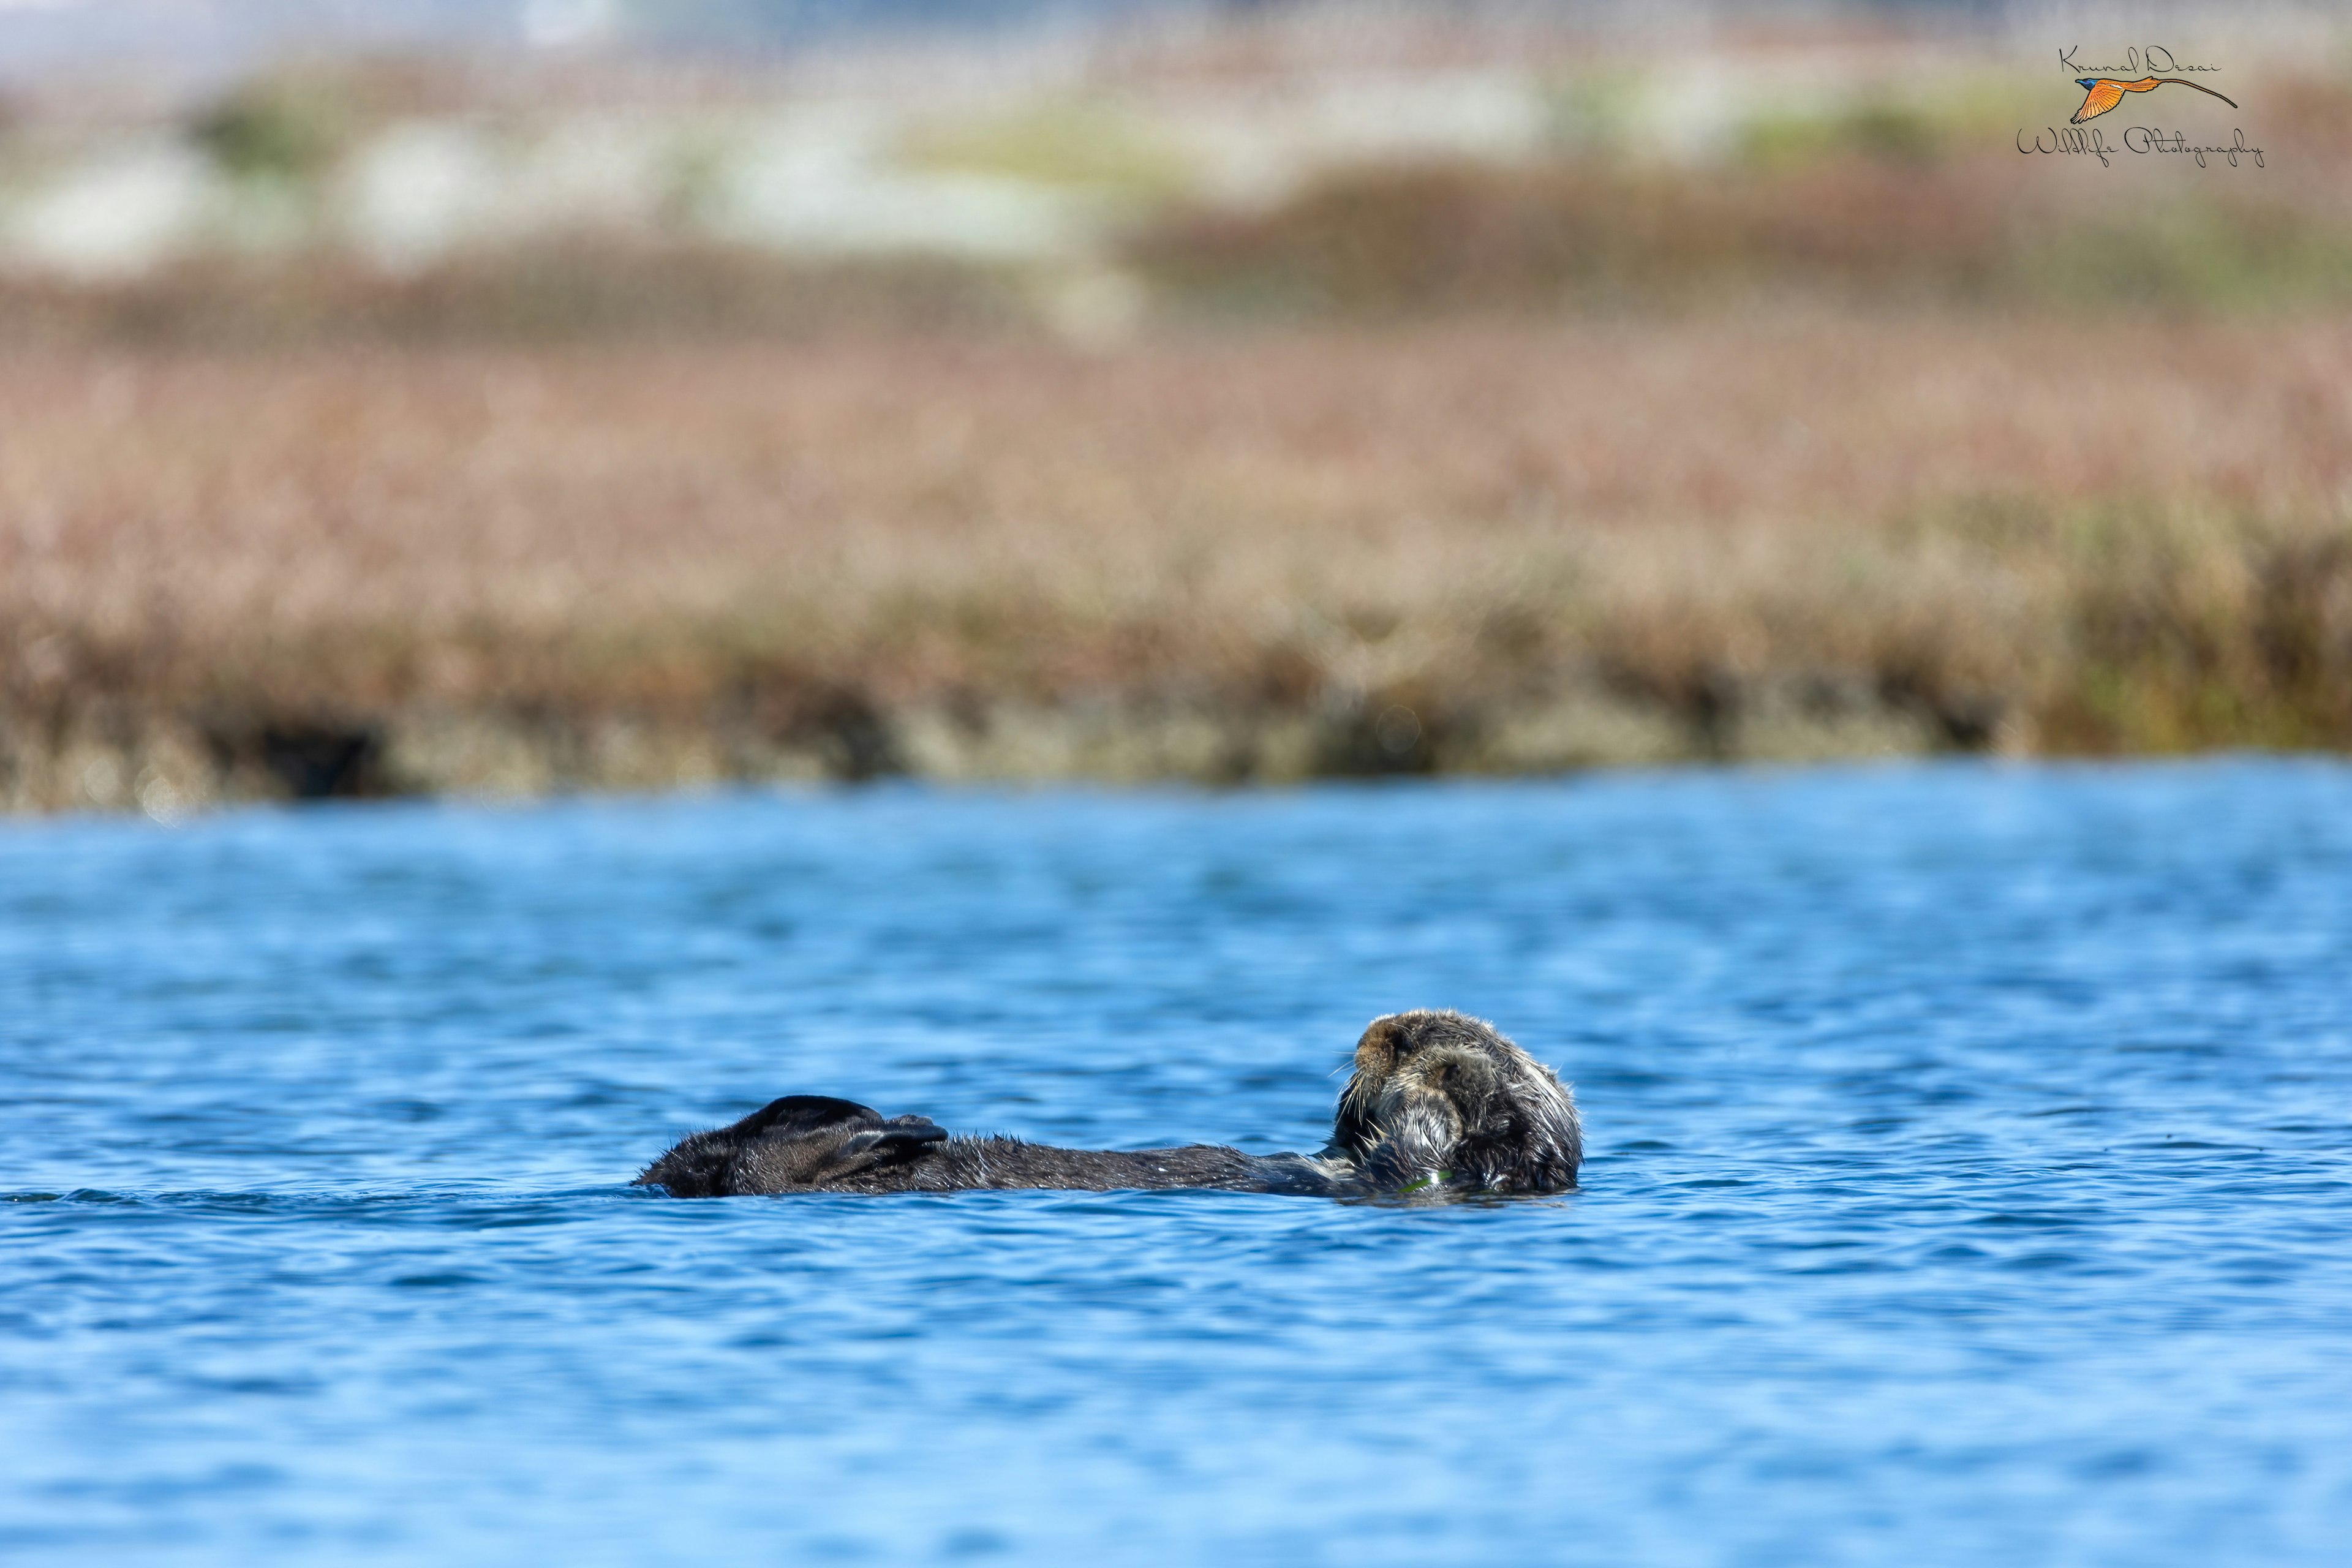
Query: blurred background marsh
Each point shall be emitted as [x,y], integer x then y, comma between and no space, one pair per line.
[498,399]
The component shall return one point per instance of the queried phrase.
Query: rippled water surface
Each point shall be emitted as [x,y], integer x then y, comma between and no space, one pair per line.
[1969,1178]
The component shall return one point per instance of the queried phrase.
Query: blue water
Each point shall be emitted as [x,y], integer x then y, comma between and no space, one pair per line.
[1971,1177]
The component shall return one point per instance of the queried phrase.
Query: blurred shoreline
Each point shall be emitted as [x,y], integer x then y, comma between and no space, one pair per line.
[1225,556]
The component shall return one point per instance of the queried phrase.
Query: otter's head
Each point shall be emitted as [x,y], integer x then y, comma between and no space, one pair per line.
[1440,1099]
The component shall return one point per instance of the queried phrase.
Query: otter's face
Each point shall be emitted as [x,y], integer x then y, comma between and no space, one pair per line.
[1442,1099]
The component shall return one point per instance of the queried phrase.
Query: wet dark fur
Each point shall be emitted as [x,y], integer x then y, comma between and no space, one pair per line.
[1438,1103]
[1444,1100]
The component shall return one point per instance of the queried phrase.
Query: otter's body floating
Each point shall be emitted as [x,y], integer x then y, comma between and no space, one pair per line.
[1438,1101]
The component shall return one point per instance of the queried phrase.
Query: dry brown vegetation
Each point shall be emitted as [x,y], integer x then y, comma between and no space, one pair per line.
[242,570]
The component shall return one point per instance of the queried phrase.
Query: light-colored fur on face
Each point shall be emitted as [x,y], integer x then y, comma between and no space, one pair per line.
[1440,1099]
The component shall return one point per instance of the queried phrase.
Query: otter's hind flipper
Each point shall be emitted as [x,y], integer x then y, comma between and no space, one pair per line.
[801,1115]
[798,1141]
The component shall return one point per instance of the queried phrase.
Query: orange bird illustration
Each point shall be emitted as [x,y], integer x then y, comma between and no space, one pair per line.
[2102,93]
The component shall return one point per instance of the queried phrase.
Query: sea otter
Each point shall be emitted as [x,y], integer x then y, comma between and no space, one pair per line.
[1438,1103]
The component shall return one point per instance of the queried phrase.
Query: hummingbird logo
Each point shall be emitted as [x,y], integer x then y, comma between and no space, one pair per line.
[2101,93]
